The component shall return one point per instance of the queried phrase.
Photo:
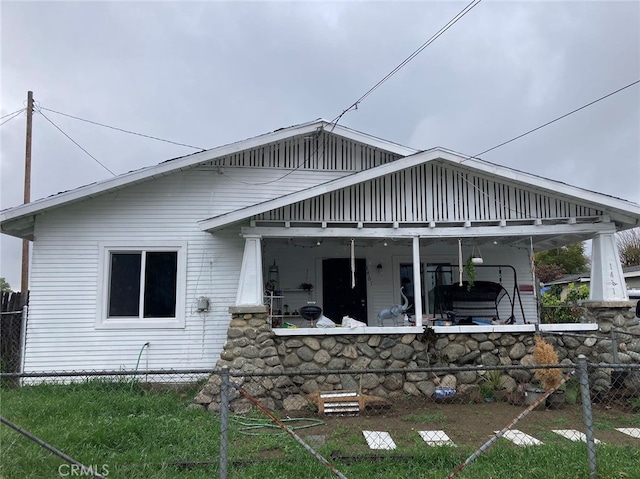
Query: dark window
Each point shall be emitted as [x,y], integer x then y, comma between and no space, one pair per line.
[124,285]
[160,285]
[157,285]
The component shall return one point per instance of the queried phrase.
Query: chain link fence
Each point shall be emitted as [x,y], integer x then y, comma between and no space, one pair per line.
[274,420]
[12,321]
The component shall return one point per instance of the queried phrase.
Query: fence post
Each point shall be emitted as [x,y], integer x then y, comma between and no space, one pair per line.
[587,416]
[224,421]
[614,346]
[23,336]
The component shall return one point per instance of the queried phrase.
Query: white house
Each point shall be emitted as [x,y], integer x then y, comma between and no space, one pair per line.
[316,212]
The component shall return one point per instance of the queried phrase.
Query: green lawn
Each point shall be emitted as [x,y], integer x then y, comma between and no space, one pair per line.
[131,432]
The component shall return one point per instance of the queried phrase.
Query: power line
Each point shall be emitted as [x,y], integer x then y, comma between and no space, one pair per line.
[335,121]
[123,130]
[15,112]
[76,143]
[554,120]
[478,154]
[442,30]
[484,193]
[298,166]
[13,115]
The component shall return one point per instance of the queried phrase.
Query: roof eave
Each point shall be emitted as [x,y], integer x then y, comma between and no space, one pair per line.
[170,166]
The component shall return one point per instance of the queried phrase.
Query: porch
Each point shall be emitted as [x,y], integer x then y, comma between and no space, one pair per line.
[365,277]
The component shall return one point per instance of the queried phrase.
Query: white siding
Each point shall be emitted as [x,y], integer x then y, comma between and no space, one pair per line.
[64,274]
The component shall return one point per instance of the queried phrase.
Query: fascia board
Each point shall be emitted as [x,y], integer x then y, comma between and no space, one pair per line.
[151,172]
[370,140]
[557,187]
[189,161]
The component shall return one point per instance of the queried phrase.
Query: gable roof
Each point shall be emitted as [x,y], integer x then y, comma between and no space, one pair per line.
[18,220]
[625,213]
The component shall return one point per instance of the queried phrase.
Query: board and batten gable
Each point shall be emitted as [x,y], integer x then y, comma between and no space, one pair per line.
[67,277]
[435,191]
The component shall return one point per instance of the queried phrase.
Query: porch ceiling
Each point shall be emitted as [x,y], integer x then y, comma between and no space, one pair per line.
[543,236]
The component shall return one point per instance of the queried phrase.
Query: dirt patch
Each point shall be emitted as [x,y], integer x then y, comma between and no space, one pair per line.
[471,424]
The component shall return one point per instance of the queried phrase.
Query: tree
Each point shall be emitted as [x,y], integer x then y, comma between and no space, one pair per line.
[4,286]
[555,263]
[549,272]
[629,247]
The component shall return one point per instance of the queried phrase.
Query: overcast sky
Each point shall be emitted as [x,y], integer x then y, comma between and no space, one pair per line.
[210,73]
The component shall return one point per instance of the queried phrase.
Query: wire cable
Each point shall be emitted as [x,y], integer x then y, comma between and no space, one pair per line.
[554,120]
[297,167]
[258,427]
[11,116]
[433,38]
[476,156]
[123,130]
[335,121]
[76,143]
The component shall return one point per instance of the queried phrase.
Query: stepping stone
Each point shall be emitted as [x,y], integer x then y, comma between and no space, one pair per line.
[630,431]
[379,440]
[519,438]
[573,435]
[436,438]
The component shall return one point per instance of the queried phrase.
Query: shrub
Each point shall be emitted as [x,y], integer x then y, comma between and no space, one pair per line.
[543,353]
[556,310]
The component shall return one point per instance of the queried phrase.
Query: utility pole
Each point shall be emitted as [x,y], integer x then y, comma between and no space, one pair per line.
[24,285]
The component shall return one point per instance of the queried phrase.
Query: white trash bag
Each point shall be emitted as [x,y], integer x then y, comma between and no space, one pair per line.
[348,322]
[325,322]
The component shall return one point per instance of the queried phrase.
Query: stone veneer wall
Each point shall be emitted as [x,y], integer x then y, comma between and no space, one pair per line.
[253,347]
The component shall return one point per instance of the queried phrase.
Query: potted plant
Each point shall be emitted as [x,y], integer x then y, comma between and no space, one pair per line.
[470,271]
[492,387]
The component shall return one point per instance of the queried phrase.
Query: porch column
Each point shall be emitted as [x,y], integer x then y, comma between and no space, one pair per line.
[250,289]
[417,284]
[607,281]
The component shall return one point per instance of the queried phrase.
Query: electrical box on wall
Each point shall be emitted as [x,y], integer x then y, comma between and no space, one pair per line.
[203,304]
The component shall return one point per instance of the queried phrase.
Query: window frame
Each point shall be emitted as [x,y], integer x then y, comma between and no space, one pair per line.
[103,321]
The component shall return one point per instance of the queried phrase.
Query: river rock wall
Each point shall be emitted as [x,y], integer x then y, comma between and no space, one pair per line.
[252,347]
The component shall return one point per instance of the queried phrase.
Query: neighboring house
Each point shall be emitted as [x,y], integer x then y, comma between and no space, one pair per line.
[317,212]
[631,276]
